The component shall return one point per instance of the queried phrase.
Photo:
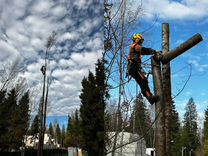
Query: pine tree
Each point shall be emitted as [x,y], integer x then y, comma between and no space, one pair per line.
[140,121]
[206,133]
[175,148]
[67,138]
[35,126]
[69,132]
[3,120]
[190,138]
[76,129]
[22,117]
[63,135]
[73,130]
[93,96]
[11,112]
[14,119]
[2,97]
[58,134]
[50,130]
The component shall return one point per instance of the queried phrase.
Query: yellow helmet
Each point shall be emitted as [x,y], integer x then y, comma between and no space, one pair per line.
[137,37]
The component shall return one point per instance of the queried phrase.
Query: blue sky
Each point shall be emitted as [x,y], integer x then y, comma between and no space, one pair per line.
[197,57]
[185,18]
[184,23]
[62,120]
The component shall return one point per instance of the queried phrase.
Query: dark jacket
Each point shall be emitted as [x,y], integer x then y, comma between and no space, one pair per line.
[136,51]
[135,57]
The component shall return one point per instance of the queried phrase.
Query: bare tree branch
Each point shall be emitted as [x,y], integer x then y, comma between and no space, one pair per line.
[9,73]
[184,83]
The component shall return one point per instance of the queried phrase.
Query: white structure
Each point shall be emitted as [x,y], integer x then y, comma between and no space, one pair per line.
[150,151]
[73,151]
[32,141]
[133,145]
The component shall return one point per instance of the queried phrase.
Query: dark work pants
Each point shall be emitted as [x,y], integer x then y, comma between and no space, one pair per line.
[136,72]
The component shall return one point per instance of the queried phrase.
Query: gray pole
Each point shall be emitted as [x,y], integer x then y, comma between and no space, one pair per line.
[168,56]
[166,80]
[41,131]
[159,111]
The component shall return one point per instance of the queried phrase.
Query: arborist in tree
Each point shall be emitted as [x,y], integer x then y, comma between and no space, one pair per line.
[135,69]
[43,70]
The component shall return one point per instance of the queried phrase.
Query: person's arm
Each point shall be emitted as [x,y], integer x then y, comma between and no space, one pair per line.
[144,51]
[147,51]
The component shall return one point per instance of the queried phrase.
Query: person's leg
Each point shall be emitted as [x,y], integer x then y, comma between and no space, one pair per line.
[143,83]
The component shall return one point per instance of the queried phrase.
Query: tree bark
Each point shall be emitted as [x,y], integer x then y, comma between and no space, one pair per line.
[159,111]
[168,56]
[166,80]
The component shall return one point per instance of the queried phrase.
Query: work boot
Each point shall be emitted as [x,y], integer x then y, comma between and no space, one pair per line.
[153,98]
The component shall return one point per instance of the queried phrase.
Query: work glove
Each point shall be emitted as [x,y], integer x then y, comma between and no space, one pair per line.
[159,55]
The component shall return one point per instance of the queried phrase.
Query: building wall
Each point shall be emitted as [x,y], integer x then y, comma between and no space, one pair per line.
[136,148]
[32,141]
[150,151]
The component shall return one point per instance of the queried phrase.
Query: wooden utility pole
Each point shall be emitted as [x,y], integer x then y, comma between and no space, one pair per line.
[44,99]
[162,87]
[159,111]
[170,55]
[42,109]
[166,80]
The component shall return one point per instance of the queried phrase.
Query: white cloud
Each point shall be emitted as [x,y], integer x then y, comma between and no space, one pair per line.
[199,67]
[59,11]
[184,10]
[85,59]
[188,93]
[82,4]
[180,107]
[69,36]
[24,29]
[36,43]
[42,7]
[7,51]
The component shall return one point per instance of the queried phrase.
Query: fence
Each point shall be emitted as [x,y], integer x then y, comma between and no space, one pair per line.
[33,152]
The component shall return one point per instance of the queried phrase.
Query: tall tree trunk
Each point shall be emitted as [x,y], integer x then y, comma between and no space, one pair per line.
[121,87]
[168,56]
[166,80]
[159,111]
